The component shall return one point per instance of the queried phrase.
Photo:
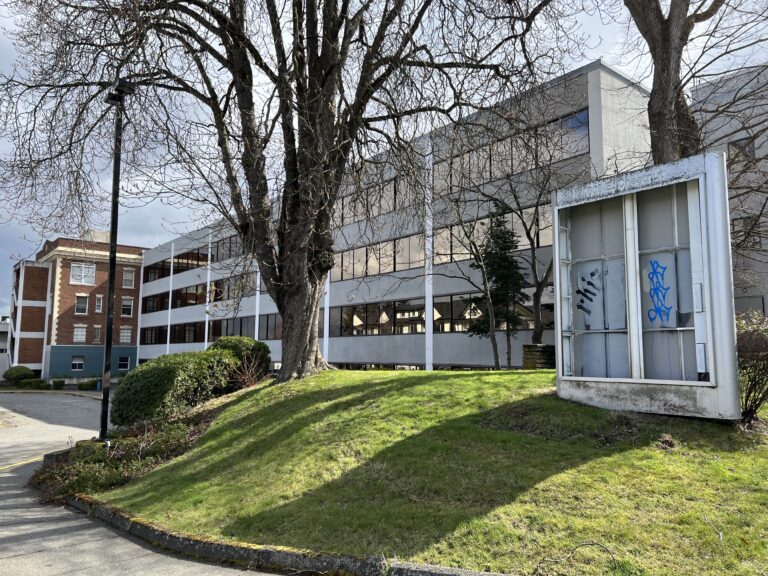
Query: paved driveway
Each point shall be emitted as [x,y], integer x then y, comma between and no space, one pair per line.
[45,540]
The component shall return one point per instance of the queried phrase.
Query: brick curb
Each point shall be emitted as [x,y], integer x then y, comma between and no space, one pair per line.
[258,557]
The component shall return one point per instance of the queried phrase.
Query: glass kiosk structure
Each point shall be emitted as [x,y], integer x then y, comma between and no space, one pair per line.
[645,320]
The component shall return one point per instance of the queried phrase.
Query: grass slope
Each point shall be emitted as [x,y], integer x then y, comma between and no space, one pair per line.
[486,471]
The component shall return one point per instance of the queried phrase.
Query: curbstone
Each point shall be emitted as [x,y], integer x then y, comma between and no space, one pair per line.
[259,557]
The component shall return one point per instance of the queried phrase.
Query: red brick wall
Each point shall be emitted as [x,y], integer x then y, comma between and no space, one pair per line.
[67,297]
[30,350]
[35,283]
[32,319]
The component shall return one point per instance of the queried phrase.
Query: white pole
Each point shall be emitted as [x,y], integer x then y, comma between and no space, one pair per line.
[326,316]
[170,302]
[207,292]
[428,297]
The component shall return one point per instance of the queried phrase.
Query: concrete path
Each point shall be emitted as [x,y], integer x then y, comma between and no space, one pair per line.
[46,540]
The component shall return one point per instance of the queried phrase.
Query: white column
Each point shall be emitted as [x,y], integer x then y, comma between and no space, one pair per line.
[19,310]
[326,315]
[633,284]
[207,292]
[140,308]
[170,302]
[428,300]
[258,304]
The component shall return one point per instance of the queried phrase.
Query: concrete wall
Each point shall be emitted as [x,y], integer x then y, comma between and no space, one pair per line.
[60,361]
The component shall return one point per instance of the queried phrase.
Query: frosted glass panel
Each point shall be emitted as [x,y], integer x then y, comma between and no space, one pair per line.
[585,231]
[618,356]
[659,290]
[613,227]
[681,200]
[615,295]
[587,295]
[684,289]
[661,352]
[590,348]
[689,355]
[655,215]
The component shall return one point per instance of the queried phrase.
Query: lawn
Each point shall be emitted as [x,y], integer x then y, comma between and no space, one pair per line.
[479,470]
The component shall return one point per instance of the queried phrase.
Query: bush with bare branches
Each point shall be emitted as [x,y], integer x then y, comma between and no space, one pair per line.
[752,346]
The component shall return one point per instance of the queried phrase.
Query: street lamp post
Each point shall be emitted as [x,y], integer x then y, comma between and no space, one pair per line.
[122,89]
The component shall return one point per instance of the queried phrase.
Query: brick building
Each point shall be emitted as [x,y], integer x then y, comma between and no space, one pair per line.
[59,305]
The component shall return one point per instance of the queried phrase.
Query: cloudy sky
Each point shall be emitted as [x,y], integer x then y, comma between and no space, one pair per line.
[156,223]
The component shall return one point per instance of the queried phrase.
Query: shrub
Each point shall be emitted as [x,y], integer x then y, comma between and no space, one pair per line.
[752,344]
[34,384]
[58,384]
[15,375]
[88,385]
[253,357]
[170,384]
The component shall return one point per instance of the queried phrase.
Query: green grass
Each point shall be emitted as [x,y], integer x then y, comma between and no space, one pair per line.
[480,470]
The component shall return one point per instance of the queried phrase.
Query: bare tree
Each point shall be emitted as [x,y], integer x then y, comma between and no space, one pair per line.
[690,41]
[254,109]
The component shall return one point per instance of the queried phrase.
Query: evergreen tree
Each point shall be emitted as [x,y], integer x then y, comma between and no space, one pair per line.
[506,283]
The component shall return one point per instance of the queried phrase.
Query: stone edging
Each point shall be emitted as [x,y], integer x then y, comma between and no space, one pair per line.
[65,392]
[259,557]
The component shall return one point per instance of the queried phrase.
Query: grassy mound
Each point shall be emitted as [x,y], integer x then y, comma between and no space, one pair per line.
[487,471]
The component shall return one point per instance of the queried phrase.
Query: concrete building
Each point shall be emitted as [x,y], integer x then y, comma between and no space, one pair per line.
[733,113]
[401,292]
[58,308]
[5,327]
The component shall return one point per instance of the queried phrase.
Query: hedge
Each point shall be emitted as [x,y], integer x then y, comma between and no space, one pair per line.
[34,384]
[170,384]
[15,375]
[249,352]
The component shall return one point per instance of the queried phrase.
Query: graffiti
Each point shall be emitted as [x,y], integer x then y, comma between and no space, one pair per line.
[658,293]
[588,290]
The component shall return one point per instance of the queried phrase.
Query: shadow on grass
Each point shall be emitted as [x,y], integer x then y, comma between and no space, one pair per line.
[420,489]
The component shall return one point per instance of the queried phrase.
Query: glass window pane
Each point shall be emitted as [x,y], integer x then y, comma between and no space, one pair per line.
[661,355]
[615,294]
[348,265]
[585,231]
[442,314]
[459,243]
[402,254]
[371,319]
[613,227]
[417,251]
[655,215]
[590,354]
[386,317]
[441,246]
[373,260]
[588,295]
[360,258]
[386,252]
[409,316]
[335,319]
[681,205]
[659,290]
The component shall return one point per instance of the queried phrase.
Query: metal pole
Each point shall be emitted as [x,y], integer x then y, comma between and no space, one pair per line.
[107,378]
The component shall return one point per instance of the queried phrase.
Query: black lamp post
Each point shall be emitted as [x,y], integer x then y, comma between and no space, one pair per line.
[122,89]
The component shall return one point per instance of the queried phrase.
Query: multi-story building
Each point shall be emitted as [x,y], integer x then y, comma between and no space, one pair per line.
[5,328]
[732,110]
[401,293]
[59,305]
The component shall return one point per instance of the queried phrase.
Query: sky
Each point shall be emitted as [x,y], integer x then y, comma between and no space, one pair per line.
[155,223]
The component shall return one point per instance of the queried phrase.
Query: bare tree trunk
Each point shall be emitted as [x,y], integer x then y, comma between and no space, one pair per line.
[674,131]
[301,352]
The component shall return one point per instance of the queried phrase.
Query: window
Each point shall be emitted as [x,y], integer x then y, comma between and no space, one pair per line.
[78,333]
[96,334]
[78,363]
[126,307]
[81,304]
[82,273]
[125,334]
[123,362]
[741,153]
[128,277]
[99,303]
[746,232]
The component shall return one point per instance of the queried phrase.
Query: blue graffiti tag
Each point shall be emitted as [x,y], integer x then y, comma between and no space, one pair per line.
[658,293]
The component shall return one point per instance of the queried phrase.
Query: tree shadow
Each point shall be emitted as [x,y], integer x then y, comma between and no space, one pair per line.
[418,490]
